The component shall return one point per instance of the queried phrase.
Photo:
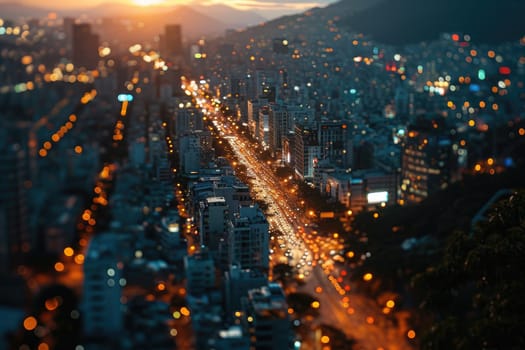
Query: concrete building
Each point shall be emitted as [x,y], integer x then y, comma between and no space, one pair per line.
[307,151]
[267,320]
[173,41]
[200,272]
[237,283]
[335,143]
[190,154]
[101,306]
[213,223]
[15,238]
[428,163]
[85,46]
[248,239]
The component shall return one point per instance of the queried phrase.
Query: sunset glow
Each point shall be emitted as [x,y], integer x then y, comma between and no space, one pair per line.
[147,2]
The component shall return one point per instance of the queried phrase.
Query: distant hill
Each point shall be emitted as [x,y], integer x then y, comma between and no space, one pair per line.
[196,20]
[410,21]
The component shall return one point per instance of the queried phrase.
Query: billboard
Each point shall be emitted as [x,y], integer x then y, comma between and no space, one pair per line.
[377,197]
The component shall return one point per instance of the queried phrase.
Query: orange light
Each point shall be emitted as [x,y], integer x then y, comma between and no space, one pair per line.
[30,323]
[370,320]
[325,339]
[68,251]
[51,304]
[72,118]
[185,311]
[411,334]
[390,303]
[79,259]
[43,346]
[78,149]
[161,287]
[59,267]
[521,131]
[477,167]
[367,277]
[47,145]
[42,152]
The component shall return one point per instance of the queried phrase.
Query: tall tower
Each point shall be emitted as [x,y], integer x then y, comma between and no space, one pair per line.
[213,218]
[102,309]
[427,162]
[15,239]
[85,46]
[248,239]
[173,41]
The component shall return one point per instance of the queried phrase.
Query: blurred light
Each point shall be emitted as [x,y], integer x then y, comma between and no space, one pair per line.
[68,251]
[481,74]
[125,97]
[30,323]
[59,267]
[51,304]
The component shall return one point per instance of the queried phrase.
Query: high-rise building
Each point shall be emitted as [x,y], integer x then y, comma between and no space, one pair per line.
[15,238]
[253,107]
[237,283]
[248,239]
[307,151]
[68,24]
[190,154]
[85,46]
[186,119]
[267,318]
[103,281]
[264,128]
[428,162]
[281,122]
[200,272]
[335,144]
[213,219]
[173,41]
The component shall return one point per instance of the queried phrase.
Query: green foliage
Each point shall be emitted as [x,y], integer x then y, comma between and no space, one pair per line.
[476,292]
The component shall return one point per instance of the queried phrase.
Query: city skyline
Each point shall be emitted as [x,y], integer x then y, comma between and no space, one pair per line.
[267,9]
[180,180]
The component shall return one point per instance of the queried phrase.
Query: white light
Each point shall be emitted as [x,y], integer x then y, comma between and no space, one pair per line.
[377,197]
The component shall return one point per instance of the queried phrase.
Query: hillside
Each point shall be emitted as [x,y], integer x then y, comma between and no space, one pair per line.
[409,21]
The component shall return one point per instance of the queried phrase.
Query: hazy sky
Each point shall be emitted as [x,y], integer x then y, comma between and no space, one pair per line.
[267,8]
